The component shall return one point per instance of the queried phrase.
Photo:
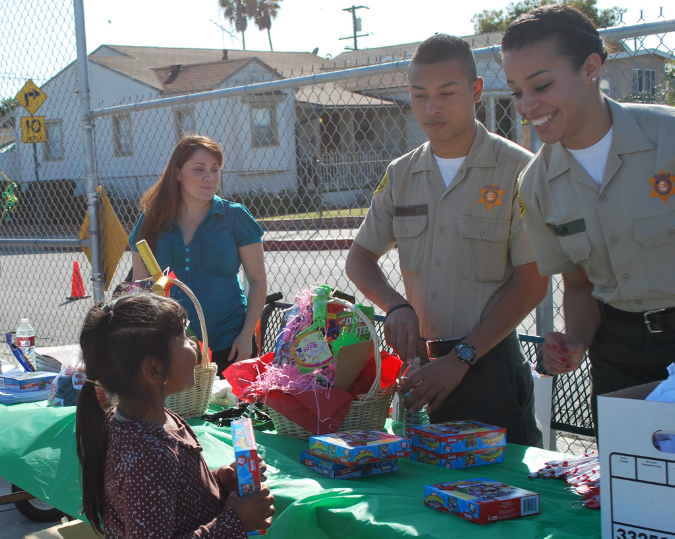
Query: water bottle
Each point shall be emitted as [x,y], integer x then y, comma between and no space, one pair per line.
[421,417]
[25,340]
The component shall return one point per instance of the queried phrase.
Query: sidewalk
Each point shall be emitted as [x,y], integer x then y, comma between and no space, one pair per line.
[12,523]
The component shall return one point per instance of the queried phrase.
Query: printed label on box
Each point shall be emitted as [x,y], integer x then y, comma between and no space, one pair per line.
[481,500]
[341,471]
[246,459]
[359,447]
[456,436]
[460,460]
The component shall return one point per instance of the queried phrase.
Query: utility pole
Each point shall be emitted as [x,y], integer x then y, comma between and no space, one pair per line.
[356,24]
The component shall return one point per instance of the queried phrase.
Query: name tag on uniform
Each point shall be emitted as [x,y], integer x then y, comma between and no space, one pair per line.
[567,229]
[411,211]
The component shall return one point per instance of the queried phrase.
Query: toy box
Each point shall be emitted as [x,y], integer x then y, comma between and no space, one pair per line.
[359,447]
[456,436]
[638,477]
[338,318]
[341,471]
[459,460]
[481,500]
[19,382]
[246,459]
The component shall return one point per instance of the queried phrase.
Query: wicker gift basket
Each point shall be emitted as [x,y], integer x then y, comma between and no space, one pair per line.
[366,412]
[192,402]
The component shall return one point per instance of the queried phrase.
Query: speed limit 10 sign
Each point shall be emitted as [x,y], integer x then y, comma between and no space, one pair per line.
[33,129]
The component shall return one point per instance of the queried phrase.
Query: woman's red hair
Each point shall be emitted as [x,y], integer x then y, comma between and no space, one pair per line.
[161,202]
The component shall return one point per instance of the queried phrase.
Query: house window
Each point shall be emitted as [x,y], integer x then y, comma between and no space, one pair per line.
[644,83]
[122,135]
[53,147]
[264,126]
[184,120]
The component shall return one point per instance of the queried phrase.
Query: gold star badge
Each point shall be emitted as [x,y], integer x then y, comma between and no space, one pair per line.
[662,185]
[490,195]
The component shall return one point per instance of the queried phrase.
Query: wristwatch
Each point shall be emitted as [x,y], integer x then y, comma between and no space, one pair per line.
[466,353]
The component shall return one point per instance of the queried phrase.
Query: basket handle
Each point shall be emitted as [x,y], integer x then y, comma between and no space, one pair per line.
[375,387]
[206,357]
[160,283]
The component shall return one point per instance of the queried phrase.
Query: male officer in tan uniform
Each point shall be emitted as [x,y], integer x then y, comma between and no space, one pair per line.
[451,206]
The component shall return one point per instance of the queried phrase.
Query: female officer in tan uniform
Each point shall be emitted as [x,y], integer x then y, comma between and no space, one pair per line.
[598,202]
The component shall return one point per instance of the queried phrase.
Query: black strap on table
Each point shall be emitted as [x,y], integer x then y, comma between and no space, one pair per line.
[657,321]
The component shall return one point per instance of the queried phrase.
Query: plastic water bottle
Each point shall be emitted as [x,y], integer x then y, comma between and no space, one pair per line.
[421,417]
[25,339]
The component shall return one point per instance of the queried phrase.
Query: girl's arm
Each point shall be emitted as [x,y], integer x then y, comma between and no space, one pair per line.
[253,261]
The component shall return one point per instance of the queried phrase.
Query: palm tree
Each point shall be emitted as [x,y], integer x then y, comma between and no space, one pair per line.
[238,12]
[265,12]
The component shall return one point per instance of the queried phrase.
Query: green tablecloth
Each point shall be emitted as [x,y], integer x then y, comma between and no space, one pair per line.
[37,453]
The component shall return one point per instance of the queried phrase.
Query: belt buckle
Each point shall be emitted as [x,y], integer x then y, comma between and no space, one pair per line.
[432,343]
[649,324]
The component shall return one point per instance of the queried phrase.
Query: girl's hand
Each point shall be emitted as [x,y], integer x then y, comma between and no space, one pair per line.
[241,348]
[227,475]
[255,510]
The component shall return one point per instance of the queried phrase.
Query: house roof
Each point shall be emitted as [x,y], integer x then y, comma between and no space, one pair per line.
[140,62]
[182,78]
[333,94]
[392,53]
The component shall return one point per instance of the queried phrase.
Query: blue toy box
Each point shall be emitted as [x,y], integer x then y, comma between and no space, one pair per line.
[459,460]
[246,459]
[340,471]
[359,447]
[457,436]
[481,500]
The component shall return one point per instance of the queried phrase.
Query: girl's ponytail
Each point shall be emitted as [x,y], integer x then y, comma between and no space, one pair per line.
[91,432]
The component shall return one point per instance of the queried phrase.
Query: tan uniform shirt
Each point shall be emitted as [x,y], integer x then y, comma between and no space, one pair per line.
[623,231]
[457,246]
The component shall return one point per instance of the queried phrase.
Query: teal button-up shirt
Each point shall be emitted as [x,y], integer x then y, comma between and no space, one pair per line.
[210,266]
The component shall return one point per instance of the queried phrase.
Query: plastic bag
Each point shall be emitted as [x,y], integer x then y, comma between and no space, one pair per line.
[66,386]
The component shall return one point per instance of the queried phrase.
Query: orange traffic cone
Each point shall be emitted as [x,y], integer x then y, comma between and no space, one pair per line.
[77,287]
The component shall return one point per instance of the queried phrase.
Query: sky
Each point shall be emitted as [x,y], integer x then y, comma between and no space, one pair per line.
[301,25]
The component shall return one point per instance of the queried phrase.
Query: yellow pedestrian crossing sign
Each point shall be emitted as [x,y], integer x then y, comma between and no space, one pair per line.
[33,129]
[30,97]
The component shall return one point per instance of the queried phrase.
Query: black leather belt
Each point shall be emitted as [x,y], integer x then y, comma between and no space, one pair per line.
[657,321]
[441,347]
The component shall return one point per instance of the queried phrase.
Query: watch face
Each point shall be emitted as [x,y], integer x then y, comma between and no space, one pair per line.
[466,353]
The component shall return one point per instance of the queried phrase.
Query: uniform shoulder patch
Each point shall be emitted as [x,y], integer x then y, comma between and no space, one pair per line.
[382,184]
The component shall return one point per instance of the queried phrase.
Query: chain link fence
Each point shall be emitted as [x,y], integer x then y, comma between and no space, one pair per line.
[305,142]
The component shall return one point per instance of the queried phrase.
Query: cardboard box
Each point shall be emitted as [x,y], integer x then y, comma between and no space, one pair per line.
[637,480]
[459,460]
[340,471]
[359,447]
[543,407]
[457,436]
[481,500]
[246,459]
[26,381]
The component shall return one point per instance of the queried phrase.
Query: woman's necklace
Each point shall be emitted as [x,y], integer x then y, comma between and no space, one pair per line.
[201,215]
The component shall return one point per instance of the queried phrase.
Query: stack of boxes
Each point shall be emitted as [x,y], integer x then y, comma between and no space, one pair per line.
[345,455]
[457,444]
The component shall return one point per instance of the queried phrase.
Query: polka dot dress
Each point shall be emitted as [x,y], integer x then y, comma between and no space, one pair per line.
[157,485]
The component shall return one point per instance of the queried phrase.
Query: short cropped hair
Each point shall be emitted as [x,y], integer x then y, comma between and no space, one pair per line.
[443,47]
[573,33]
